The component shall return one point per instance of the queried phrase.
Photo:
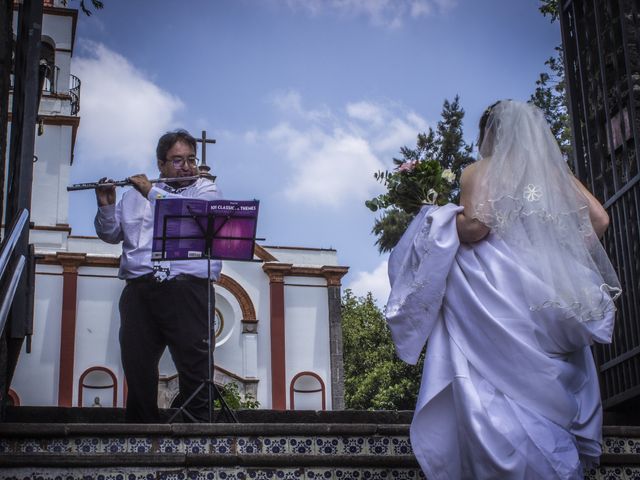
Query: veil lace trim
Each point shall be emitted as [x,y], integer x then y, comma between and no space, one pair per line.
[524,191]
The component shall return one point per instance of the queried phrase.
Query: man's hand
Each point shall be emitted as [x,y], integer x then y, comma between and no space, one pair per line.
[141,183]
[106,195]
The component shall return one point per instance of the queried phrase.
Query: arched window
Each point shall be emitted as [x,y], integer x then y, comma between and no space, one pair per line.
[307,392]
[97,387]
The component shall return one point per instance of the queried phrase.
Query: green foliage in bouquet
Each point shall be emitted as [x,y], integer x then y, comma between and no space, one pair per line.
[412,184]
[426,174]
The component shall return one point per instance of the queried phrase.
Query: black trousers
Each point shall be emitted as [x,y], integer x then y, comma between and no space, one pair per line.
[154,316]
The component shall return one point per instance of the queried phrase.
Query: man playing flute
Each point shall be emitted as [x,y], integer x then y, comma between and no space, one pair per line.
[164,304]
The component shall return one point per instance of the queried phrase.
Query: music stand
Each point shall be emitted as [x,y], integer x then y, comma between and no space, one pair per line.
[195,229]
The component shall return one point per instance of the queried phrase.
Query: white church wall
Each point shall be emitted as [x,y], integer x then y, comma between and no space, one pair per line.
[304,256]
[48,241]
[228,351]
[63,62]
[93,246]
[261,302]
[256,283]
[97,325]
[59,28]
[36,376]
[307,333]
[250,355]
[51,176]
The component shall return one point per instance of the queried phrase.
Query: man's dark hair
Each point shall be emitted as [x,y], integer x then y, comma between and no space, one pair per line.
[169,139]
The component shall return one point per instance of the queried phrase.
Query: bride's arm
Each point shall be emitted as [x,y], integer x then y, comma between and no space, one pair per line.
[469,229]
[598,215]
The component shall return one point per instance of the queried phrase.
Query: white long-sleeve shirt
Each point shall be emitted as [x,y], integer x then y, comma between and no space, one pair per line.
[131,222]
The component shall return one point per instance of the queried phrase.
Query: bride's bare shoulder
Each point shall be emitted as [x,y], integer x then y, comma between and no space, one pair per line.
[470,171]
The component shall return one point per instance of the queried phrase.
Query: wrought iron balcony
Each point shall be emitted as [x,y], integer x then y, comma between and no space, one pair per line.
[51,87]
[74,93]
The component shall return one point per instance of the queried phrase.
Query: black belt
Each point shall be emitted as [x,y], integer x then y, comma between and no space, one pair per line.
[151,278]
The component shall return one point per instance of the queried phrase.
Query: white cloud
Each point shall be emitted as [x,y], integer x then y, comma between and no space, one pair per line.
[367,112]
[385,13]
[123,112]
[289,103]
[332,157]
[376,282]
[328,168]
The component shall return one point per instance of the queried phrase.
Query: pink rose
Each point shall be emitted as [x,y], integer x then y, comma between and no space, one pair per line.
[408,166]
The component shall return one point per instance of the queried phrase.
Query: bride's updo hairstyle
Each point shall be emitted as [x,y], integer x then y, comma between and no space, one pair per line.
[487,131]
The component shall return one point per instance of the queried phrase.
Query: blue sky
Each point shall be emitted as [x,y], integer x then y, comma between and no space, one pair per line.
[306,98]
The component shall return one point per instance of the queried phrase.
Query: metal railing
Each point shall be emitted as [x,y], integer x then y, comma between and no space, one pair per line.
[51,86]
[601,40]
[11,267]
[74,93]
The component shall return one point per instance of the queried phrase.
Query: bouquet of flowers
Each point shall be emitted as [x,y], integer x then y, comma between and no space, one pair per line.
[412,184]
[427,174]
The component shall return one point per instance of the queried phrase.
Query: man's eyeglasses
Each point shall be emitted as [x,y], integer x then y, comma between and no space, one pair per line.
[178,162]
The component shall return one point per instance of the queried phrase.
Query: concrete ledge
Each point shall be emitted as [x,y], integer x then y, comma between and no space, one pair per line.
[620,459]
[116,415]
[621,431]
[48,430]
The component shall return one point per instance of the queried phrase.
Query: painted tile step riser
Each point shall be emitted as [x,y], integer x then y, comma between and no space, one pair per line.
[321,445]
[220,445]
[621,445]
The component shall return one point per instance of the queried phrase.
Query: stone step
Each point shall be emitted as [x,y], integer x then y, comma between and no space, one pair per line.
[328,445]
[214,473]
[256,438]
[227,467]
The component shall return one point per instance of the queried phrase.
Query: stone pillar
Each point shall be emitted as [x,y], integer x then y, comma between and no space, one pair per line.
[333,276]
[70,263]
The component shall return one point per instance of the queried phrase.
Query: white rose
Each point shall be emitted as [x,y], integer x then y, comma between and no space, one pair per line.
[448,175]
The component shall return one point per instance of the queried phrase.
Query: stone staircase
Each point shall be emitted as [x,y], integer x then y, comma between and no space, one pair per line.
[265,445]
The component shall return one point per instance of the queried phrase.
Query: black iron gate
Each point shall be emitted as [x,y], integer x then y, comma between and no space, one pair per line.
[601,40]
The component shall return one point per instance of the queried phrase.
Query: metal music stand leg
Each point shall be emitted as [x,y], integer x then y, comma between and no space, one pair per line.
[212,388]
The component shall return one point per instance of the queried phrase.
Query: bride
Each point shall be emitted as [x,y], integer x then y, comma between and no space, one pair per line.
[510,289]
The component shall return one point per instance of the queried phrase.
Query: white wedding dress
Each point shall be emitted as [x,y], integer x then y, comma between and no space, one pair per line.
[508,391]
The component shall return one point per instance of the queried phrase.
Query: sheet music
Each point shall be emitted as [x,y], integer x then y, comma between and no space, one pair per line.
[181,226]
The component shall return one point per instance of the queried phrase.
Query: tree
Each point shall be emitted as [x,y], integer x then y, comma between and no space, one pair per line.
[97,4]
[550,93]
[433,166]
[549,7]
[234,399]
[375,378]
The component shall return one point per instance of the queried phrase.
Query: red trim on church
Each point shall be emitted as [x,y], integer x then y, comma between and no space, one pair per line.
[293,390]
[70,263]
[277,324]
[82,385]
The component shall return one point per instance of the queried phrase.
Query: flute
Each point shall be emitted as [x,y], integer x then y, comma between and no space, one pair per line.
[126,181]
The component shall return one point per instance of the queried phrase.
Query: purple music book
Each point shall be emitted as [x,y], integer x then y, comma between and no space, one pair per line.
[182,225]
